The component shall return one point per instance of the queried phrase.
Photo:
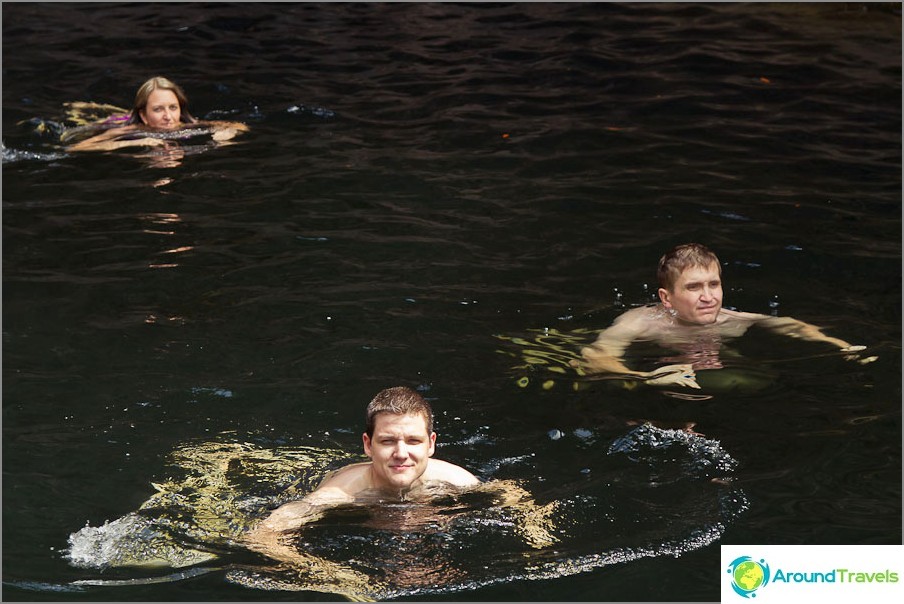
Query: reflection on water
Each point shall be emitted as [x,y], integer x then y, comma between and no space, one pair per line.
[548,358]
[216,492]
[418,178]
[658,493]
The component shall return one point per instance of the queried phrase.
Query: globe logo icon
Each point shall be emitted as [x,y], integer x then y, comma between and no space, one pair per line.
[748,575]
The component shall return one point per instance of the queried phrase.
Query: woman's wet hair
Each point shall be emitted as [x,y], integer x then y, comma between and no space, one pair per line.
[682,257]
[159,83]
[399,400]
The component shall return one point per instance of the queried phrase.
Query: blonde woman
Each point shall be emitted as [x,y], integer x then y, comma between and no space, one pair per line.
[158,117]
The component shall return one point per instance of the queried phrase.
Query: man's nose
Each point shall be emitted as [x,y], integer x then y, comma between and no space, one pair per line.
[400,451]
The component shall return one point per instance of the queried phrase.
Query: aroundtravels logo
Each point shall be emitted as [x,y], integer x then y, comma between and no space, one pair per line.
[798,573]
[748,575]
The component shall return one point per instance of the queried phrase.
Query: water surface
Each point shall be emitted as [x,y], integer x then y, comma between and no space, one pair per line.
[422,184]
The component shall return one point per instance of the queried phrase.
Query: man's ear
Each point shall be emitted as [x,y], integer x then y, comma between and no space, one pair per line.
[432,444]
[664,297]
[366,439]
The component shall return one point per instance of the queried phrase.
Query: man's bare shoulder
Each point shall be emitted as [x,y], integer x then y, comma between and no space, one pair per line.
[641,313]
[637,321]
[443,471]
[349,479]
[734,323]
[337,488]
[727,315]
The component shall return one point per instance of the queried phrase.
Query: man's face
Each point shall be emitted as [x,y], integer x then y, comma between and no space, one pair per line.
[399,450]
[696,295]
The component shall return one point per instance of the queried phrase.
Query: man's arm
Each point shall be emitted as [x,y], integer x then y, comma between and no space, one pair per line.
[795,328]
[337,488]
[605,354]
[268,537]
[271,538]
[534,523]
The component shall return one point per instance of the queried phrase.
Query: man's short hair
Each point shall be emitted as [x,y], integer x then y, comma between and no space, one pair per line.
[682,257]
[399,400]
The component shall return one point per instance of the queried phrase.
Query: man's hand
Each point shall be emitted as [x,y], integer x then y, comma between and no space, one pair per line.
[853,356]
[534,523]
[682,375]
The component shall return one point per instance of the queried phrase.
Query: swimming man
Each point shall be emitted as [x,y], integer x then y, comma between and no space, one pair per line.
[690,319]
[400,442]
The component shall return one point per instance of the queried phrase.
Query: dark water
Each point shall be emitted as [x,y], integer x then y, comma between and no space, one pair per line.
[422,182]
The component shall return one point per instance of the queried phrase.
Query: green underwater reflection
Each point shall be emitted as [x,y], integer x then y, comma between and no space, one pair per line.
[546,358]
[655,493]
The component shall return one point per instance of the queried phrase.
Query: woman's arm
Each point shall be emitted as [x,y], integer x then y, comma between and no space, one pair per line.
[105,141]
[224,131]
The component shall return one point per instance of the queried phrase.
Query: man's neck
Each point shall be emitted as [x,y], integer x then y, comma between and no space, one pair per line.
[396,494]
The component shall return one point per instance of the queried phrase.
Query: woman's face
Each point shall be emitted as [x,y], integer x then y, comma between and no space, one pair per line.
[162,110]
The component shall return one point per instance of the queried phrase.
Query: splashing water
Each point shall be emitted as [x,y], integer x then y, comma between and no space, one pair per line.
[653,496]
